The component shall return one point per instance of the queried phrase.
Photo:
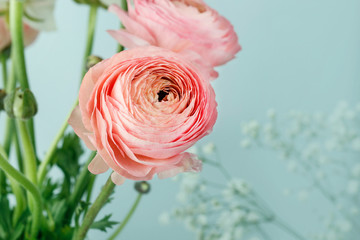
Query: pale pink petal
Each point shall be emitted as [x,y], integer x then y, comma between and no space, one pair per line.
[128,40]
[117,178]
[190,163]
[131,24]
[75,121]
[98,165]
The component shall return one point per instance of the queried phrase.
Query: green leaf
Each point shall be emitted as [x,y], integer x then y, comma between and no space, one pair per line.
[58,210]
[5,218]
[103,223]
[67,156]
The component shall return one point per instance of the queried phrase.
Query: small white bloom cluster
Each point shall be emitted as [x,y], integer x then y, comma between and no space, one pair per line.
[218,212]
[324,149]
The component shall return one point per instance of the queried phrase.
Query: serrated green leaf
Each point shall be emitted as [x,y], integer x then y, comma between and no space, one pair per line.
[5,218]
[103,224]
[67,156]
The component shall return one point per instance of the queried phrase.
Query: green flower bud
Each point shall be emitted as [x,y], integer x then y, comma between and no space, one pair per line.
[92,61]
[20,104]
[2,97]
[142,187]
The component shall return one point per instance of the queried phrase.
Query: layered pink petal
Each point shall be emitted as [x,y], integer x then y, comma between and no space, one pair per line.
[181,25]
[141,109]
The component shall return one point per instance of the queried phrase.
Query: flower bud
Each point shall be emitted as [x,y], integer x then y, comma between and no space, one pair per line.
[142,187]
[2,97]
[20,104]
[92,61]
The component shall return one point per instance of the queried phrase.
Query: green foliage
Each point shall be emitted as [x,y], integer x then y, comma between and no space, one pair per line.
[67,156]
[103,224]
[8,230]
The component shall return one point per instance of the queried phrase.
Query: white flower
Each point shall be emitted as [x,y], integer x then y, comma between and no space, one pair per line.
[238,233]
[356,144]
[292,166]
[209,148]
[236,187]
[353,187]
[344,226]
[226,236]
[251,129]
[320,175]
[39,14]
[164,218]
[245,143]
[356,170]
[202,219]
[354,211]
[303,195]
[271,114]
[252,217]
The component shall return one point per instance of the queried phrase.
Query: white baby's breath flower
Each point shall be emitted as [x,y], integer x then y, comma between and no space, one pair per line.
[353,187]
[354,211]
[320,175]
[164,218]
[252,217]
[356,170]
[344,225]
[303,195]
[236,187]
[271,114]
[238,233]
[209,148]
[226,236]
[356,144]
[292,166]
[245,143]
[202,219]
[251,129]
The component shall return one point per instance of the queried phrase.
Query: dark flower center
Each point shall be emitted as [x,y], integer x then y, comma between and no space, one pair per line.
[162,95]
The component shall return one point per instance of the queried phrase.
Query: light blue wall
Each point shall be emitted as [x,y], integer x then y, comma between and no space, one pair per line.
[296,55]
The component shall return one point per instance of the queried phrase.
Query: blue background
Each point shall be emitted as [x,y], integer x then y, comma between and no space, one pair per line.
[296,55]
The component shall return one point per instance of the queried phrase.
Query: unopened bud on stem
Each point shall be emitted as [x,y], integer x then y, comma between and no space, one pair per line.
[142,187]
[20,104]
[92,61]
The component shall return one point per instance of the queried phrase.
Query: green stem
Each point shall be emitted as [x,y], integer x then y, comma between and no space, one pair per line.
[124,6]
[30,187]
[17,42]
[80,187]
[29,154]
[127,218]
[18,153]
[90,35]
[90,216]
[3,68]
[50,153]
[4,73]
[19,196]
[89,191]
[81,182]
[17,51]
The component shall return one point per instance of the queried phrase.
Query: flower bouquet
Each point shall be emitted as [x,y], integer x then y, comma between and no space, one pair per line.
[137,111]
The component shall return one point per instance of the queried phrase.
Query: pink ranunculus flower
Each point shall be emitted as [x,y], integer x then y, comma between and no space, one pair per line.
[179,25]
[30,34]
[141,110]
